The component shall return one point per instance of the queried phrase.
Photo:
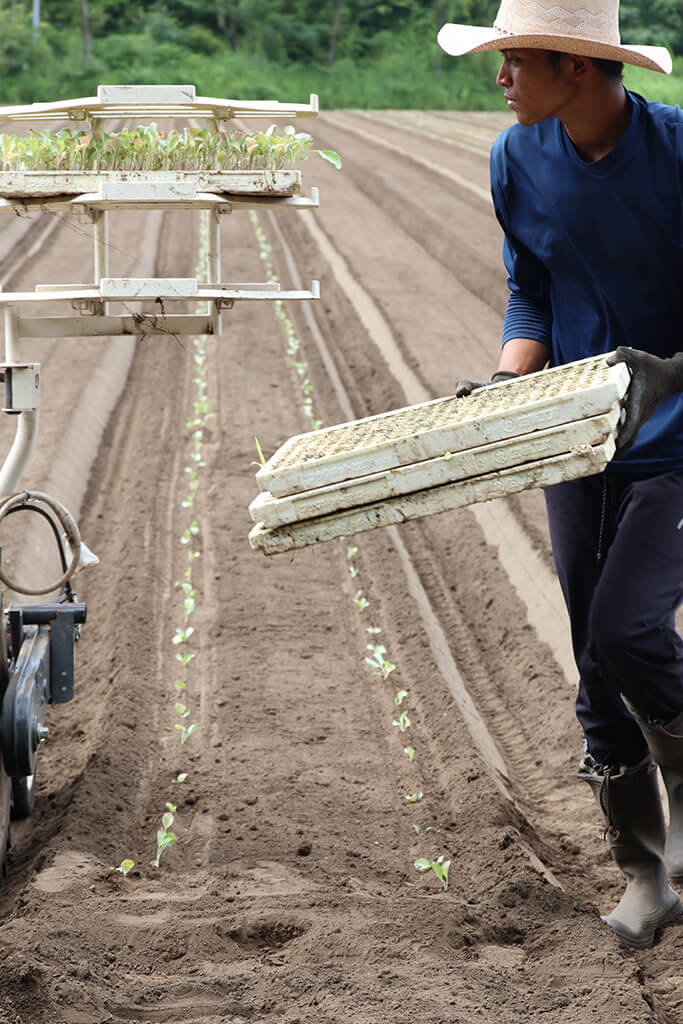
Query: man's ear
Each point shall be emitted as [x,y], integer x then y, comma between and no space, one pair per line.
[579,66]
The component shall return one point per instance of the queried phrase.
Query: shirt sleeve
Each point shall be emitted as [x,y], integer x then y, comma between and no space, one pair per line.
[529,312]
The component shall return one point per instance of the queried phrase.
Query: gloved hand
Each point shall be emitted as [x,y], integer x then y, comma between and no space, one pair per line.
[652,381]
[465,387]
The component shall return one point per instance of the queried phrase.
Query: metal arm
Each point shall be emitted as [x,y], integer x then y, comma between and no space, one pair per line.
[27,426]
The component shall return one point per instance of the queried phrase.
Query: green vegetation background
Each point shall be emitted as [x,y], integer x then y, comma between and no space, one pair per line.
[354,53]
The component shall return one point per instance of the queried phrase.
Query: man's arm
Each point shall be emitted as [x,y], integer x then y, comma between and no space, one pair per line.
[522,356]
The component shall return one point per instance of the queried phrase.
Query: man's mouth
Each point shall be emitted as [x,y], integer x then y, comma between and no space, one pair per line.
[510,102]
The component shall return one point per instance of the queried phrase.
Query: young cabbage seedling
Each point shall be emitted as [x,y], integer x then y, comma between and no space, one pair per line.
[124,867]
[439,866]
[165,837]
[402,723]
[185,732]
[410,753]
[414,798]
[400,697]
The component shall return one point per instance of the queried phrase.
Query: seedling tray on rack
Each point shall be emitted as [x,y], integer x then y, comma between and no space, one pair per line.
[556,425]
[22,184]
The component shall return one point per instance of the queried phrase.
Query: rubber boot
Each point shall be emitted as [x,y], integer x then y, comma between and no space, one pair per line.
[666,745]
[628,798]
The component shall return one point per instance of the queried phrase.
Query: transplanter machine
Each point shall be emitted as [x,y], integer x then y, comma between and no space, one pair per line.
[37,640]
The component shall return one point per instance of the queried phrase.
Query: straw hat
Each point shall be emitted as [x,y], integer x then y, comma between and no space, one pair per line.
[586,27]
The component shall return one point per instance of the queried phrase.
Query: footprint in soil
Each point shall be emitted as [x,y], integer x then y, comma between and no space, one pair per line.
[259,935]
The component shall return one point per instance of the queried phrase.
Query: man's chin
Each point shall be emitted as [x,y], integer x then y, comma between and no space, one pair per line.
[527,120]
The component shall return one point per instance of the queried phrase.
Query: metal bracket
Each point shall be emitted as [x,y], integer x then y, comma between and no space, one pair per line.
[22,386]
[88,307]
[62,640]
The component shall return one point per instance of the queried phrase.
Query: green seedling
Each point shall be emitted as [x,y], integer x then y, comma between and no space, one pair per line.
[373,630]
[331,157]
[165,837]
[440,867]
[430,828]
[192,530]
[185,659]
[351,552]
[414,798]
[402,723]
[261,456]
[400,697]
[410,753]
[179,685]
[181,777]
[353,572]
[145,148]
[361,602]
[185,732]
[182,711]
[171,807]
[124,867]
[378,663]
[182,636]
[189,606]
[447,456]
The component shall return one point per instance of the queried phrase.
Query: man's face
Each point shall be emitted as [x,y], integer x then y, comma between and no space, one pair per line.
[534,88]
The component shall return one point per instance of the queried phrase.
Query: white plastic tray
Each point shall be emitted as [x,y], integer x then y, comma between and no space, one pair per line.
[513,408]
[396,510]
[18,184]
[475,462]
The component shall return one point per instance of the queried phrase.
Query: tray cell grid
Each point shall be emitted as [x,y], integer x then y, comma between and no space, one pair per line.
[512,395]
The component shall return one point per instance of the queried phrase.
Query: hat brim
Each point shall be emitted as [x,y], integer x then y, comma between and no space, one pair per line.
[458,40]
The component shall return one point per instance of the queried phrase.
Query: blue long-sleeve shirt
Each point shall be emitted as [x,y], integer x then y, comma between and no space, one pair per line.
[594,251]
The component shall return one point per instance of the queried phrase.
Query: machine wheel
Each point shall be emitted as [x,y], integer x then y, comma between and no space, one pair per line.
[23,793]
[5,808]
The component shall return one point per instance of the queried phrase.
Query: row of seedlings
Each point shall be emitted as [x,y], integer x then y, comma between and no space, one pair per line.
[377,660]
[190,541]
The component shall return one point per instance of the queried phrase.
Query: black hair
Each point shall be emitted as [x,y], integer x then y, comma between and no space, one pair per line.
[609,68]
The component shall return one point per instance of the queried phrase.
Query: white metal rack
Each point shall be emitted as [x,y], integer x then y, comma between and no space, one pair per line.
[98,307]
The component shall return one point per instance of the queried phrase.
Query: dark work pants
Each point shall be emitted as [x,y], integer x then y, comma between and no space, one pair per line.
[618,548]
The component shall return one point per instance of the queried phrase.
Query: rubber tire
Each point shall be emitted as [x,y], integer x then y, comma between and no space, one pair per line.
[5,810]
[23,794]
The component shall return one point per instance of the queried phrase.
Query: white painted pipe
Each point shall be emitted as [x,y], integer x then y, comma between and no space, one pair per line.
[101,247]
[214,263]
[20,453]
[27,427]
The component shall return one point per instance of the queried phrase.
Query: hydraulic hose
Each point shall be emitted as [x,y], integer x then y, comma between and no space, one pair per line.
[31,501]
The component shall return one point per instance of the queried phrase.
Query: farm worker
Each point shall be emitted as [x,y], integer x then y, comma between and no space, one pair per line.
[588,188]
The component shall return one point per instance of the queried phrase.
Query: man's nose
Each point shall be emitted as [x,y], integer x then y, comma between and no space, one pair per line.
[503,76]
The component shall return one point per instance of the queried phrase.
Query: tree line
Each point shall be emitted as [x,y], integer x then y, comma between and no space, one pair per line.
[362,52]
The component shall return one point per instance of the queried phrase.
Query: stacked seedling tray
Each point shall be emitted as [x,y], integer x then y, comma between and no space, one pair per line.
[533,431]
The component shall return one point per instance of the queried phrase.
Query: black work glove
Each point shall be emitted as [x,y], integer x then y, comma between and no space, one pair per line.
[465,387]
[652,381]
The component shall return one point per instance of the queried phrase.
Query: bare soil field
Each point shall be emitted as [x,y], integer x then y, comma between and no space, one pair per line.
[291,895]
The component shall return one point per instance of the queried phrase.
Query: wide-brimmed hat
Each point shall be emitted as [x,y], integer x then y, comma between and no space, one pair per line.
[586,27]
